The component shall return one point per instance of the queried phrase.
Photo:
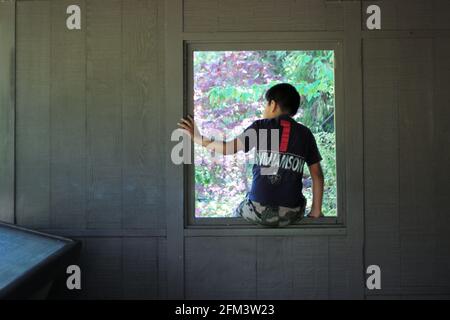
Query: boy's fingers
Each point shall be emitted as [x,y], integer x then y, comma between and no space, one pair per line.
[182,125]
[186,122]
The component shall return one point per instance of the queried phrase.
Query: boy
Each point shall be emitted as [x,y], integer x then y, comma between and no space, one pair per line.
[275,198]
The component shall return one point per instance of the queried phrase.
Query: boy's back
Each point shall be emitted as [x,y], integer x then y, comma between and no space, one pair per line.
[278,170]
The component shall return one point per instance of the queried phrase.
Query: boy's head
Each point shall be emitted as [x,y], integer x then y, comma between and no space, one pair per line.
[282,98]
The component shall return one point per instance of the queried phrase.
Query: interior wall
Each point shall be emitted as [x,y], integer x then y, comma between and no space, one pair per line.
[7,101]
[94,109]
[88,132]
[406,119]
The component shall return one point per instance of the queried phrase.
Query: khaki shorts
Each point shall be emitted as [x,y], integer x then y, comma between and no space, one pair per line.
[270,216]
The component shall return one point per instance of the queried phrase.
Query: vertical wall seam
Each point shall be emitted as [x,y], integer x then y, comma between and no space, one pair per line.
[14,94]
[433,118]
[158,276]
[256,267]
[363,163]
[363,182]
[182,17]
[328,268]
[398,124]
[86,134]
[353,102]
[121,115]
[122,287]
[50,90]
[173,49]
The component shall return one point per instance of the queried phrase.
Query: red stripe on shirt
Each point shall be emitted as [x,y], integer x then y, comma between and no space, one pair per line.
[285,135]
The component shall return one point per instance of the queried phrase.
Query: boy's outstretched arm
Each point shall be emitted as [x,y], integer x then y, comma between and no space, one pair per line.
[317,184]
[220,146]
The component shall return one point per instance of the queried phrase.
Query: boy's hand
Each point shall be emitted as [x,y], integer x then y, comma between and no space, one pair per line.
[315,214]
[188,125]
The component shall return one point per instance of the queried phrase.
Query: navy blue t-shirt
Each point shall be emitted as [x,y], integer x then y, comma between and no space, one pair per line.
[278,170]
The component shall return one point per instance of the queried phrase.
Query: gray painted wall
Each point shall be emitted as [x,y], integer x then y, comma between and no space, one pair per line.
[88,119]
[94,109]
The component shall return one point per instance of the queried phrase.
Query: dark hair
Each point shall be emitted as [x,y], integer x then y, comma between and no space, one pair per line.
[286,96]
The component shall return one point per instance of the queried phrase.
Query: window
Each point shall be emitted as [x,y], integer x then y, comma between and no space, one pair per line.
[225,92]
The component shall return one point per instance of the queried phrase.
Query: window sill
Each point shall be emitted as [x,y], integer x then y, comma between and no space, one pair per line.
[296,230]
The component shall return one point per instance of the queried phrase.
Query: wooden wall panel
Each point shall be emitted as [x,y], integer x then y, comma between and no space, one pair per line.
[383,243]
[88,115]
[162,268]
[7,110]
[275,268]
[123,268]
[406,227]
[339,258]
[257,267]
[101,268]
[412,14]
[173,174]
[67,120]
[381,122]
[353,148]
[417,218]
[415,76]
[140,268]
[88,107]
[440,157]
[292,268]
[220,268]
[441,132]
[310,258]
[381,157]
[104,113]
[267,15]
[417,260]
[33,114]
[142,152]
